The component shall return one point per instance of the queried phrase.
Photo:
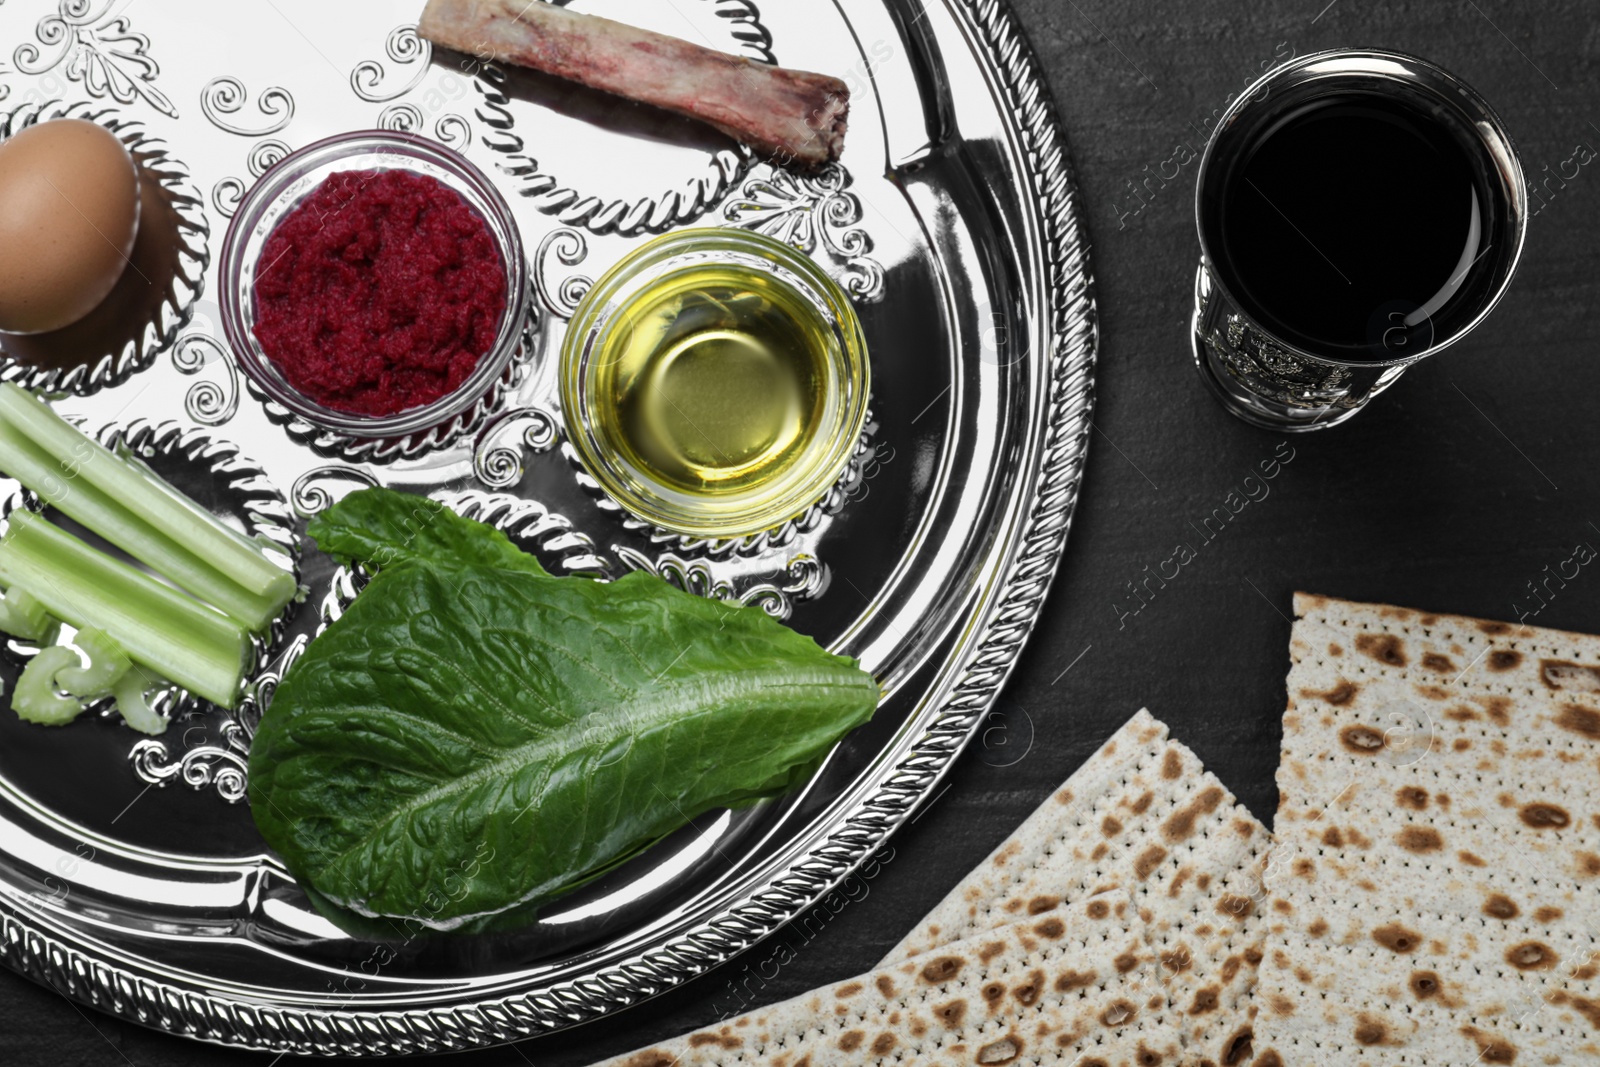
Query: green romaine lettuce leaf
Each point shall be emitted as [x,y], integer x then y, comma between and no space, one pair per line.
[381,527]
[472,738]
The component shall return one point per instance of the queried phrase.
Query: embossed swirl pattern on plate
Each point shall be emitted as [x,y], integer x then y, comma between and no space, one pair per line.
[94,46]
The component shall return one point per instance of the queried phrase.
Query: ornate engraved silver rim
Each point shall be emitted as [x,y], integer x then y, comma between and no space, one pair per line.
[207,1012]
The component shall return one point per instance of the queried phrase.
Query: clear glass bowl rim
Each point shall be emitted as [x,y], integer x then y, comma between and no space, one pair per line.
[247,219]
[653,259]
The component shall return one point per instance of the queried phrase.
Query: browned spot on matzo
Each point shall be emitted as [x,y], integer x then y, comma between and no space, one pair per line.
[1437,663]
[1003,1051]
[1498,709]
[942,969]
[1500,906]
[1491,1049]
[1504,659]
[1397,938]
[1580,720]
[1205,1000]
[1573,677]
[1424,984]
[1067,981]
[1362,740]
[1385,648]
[1236,1049]
[1339,696]
[1412,796]
[1370,1031]
[650,1058]
[1531,956]
[1545,816]
[1420,839]
[1180,824]
[1172,765]
[1148,861]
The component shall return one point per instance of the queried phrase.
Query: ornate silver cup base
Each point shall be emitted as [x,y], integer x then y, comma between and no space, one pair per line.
[1266,386]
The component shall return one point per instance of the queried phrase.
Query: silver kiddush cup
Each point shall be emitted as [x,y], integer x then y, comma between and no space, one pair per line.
[1276,383]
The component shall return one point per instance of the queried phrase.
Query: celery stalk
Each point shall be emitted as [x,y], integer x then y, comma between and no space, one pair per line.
[82,500]
[24,617]
[138,512]
[107,664]
[36,699]
[175,636]
[131,693]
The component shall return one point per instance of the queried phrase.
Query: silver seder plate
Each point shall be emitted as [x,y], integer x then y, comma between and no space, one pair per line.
[131,876]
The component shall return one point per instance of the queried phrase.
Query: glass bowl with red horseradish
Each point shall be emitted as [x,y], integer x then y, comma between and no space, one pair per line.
[374,285]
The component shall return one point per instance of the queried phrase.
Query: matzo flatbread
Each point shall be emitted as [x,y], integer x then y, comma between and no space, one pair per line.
[1131,811]
[1143,813]
[1141,871]
[1078,987]
[1435,892]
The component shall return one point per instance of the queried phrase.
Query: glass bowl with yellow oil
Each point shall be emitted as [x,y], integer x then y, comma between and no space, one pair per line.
[715,382]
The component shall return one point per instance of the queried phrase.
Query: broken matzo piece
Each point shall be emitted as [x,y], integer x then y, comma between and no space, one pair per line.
[1435,893]
[1143,813]
[1101,828]
[1076,987]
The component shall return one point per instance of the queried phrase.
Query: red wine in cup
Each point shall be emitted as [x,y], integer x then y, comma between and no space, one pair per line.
[1357,227]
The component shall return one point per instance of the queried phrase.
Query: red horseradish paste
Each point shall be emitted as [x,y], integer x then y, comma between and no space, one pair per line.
[379,292]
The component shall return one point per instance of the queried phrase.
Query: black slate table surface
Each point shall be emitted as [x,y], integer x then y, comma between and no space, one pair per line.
[1452,493]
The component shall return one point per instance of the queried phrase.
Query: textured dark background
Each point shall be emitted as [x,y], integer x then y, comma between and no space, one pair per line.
[1452,493]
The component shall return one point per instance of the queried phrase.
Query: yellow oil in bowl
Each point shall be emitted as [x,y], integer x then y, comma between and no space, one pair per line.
[715,382]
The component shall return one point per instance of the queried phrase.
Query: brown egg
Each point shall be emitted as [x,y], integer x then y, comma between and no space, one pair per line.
[69,211]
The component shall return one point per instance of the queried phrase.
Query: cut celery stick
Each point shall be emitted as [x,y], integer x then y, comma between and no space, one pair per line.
[107,664]
[23,616]
[131,694]
[123,502]
[174,635]
[84,501]
[36,699]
